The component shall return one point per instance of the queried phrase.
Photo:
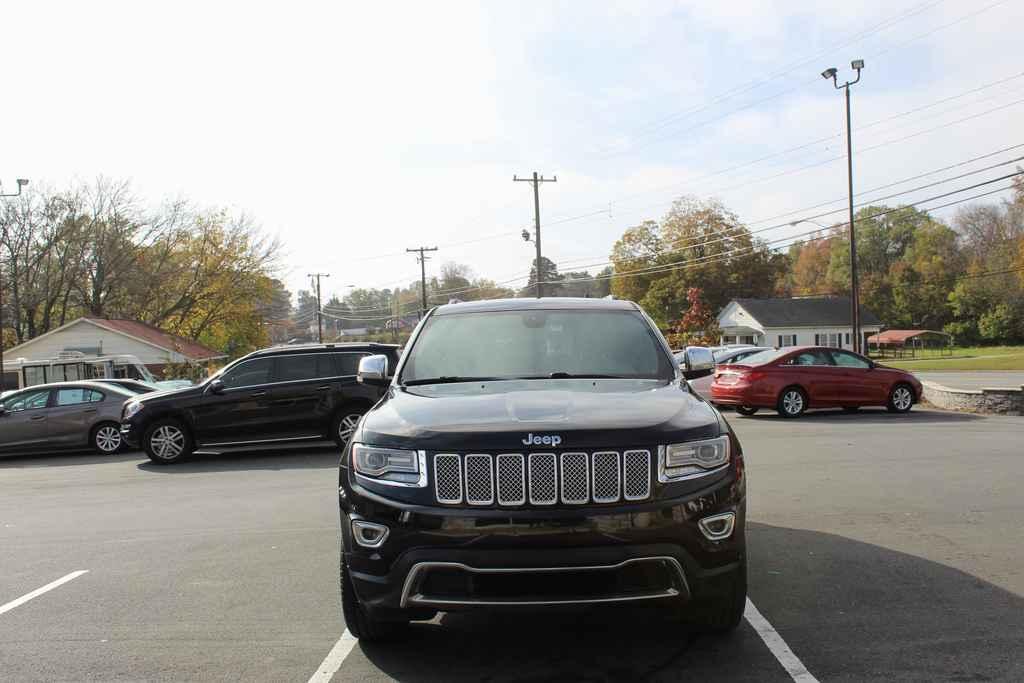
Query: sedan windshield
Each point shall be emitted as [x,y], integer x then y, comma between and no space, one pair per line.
[536,345]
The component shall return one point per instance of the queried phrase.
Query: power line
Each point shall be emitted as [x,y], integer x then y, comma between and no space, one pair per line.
[575,262]
[797,238]
[558,220]
[799,169]
[716,258]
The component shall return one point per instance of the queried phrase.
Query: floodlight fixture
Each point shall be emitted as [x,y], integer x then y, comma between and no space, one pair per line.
[857,64]
[829,73]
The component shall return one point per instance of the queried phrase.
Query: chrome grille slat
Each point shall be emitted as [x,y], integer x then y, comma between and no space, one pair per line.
[448,478]
[636,474]
[511,479]
[515,479]
[575,478]
[479,479]
[543,479]
[605,472]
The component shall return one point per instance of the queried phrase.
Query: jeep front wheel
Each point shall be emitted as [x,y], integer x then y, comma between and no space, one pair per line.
[722,611]
[359,623]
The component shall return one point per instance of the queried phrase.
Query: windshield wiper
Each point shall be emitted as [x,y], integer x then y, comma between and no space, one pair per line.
[569,375]
[449,379]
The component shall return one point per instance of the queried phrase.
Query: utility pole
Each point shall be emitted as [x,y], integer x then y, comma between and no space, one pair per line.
[319,307]
[830,74]
[536,180]
[22,182]
[423,275]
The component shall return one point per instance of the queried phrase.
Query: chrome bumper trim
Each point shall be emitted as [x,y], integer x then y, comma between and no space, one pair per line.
[414,578]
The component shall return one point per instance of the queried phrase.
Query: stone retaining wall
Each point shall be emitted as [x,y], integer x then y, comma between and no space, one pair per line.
[1001,401]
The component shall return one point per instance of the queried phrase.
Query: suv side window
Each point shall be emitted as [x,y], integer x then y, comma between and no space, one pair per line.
[296,368]
[848,360]
[249,373]
[348,363]
[304,366]
[30,401]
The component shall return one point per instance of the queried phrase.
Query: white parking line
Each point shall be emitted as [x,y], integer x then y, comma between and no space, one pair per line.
[789,661]
[39,591]
[334,659]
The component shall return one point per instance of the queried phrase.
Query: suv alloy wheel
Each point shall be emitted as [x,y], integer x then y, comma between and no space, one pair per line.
[167,441]
[345,425]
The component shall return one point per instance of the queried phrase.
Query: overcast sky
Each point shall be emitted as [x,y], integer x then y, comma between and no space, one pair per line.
[355,130]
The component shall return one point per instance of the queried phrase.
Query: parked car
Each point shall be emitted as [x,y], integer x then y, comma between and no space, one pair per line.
[135,386]
[278,395]
[702,384]
[537,453]
[793,379]
[63,416]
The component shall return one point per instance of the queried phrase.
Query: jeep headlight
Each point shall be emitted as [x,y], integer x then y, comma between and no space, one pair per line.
[130,409]
[395,466]
[692,458]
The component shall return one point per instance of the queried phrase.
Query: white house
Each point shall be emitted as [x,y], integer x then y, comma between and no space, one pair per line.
[798,321]
[154,347]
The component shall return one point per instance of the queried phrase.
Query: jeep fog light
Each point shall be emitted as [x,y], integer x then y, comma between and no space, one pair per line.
[368,534]
[718,527]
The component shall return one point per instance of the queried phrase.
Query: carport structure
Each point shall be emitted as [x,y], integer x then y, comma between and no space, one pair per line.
[910,343]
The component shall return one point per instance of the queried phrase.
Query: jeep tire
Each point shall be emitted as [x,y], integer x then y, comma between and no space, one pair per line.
[359,623]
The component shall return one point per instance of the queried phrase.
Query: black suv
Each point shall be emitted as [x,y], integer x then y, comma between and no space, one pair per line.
[539,453]
[282,394]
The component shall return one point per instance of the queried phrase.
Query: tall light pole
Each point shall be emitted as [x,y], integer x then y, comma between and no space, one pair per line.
[828,74]
[22,182]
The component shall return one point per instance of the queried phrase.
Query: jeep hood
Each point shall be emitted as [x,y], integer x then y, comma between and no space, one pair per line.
[499,416]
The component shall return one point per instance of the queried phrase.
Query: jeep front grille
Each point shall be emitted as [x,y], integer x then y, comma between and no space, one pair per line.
[448,478]
[513,479]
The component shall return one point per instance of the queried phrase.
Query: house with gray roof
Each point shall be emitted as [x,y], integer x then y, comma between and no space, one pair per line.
[795,321]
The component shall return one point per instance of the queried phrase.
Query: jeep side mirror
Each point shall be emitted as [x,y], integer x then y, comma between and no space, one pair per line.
[216,386]
[373,370]
[697,362]
[3,410]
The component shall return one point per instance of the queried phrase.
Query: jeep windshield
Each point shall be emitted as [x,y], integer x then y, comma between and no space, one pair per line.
[536,344]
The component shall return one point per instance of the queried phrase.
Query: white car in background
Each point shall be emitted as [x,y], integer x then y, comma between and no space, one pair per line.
[723,355]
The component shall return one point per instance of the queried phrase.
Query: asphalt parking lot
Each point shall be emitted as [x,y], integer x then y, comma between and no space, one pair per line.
[882,547]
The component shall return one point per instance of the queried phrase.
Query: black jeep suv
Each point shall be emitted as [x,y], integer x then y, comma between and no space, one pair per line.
[285,394]
[537,453]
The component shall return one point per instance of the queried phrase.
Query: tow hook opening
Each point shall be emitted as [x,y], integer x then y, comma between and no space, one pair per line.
[369,534]
[718,527]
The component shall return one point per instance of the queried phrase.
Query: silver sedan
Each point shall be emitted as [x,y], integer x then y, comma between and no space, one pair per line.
[62,416]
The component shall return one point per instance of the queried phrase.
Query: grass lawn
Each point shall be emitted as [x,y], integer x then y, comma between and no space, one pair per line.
[967,358]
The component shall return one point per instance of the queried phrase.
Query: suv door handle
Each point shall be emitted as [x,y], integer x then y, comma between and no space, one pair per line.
[257,394]
[36,418]
[89,410]
[325,387]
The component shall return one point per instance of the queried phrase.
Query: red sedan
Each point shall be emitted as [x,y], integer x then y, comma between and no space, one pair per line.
[793,379]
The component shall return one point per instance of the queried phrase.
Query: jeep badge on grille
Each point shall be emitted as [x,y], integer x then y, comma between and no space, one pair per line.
[537,440]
